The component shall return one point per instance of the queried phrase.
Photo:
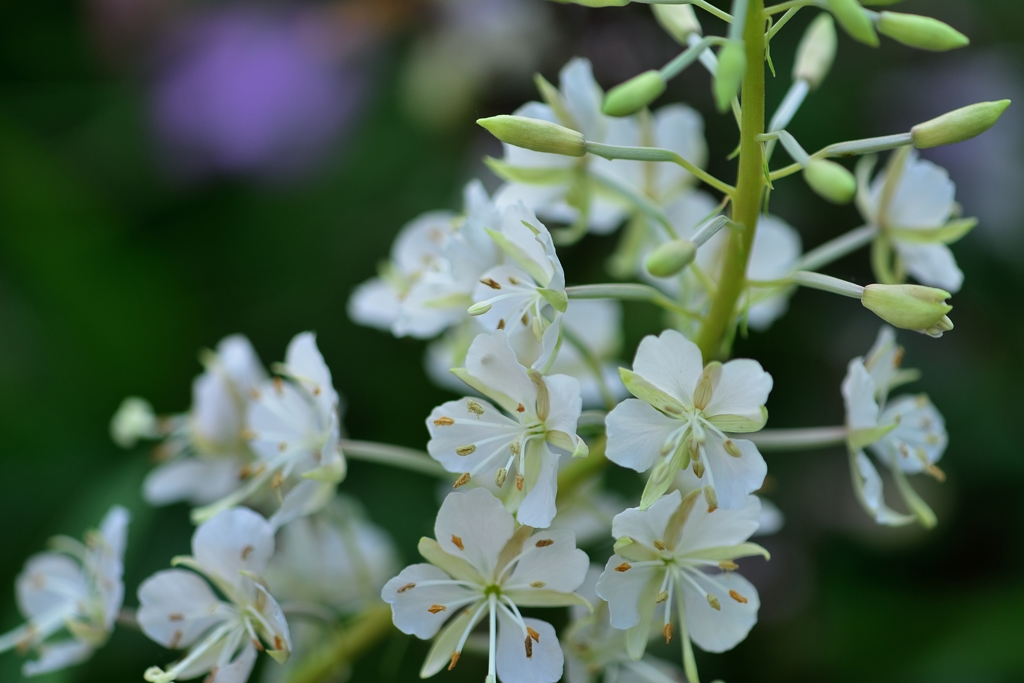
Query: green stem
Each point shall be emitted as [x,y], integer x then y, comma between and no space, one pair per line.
[394,456]
[628,292]
[612,152]
[364,633]
[749,190]
[786,6]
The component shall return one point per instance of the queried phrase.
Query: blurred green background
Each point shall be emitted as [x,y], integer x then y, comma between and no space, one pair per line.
[129,241]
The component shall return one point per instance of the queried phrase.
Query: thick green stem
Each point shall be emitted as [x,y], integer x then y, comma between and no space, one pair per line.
[750,184]
[351,643]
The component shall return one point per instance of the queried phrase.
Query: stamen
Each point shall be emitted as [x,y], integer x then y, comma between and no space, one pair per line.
[246,551]
[474,407]
[520,408]
[258,645]
[732,449]
[538,584]
[544,543]
[513,280]
[533,634]
[698,468]
[457,542]
[728,565]
[529,648]
[461,481]
[444,422]
[175,640]
[278,643]
[624,567]
[702,394]
[519,481]
[455,660]
[407,587]
[501,324]
[248,434]
[659,545]
[176,617]
[936,472]
[711,497]
[282,447]
[713,601]
[661,597]
[668,633]
[278,386]
[434,609]
[490,282]
[499,477]
[212,676]
[465,450]
[737,597]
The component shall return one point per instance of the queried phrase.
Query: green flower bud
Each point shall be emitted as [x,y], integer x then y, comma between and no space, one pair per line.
[670,258]
[831,181]
[854,20]
[679,21]
[923,33]
[817,51]
[910,307]
[958,125]
[535,134]
[633,95]
[732,63]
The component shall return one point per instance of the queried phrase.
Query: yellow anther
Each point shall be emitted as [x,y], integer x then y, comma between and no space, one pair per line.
[461,481]
[667,631]
[711,497]
[499,477]
[444,422]
[533,634]
[936,472]
[490,282]
[434,609]
[659,545]
[457,542]
[732,449]
[544,543]
[455,660]
[519,482]
[661,597]
[737,597]
[465,450]
[728,566]
[474,407]
[702,394]
[407,587]
[624,567]
[538,584]
[713,601]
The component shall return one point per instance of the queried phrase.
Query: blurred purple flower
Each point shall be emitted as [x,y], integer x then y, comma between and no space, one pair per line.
[246,92]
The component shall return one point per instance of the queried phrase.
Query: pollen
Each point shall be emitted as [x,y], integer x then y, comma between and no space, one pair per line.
[461,481]
[434,609]
[444,422]
[465,450]
[732,449]
[624,567]
[490,282]
[474,407]
[244,473]
[737,597]
[529,648]
[278,643]
[499,477]
[661,597]
[538,584]
[544,543]
[316,390]
[520,408]
[519,482]
[407,587]
[246,551]
[501,324]
[668,633]
[457,542]
[659,545]
[455,660]
[515,448]
[713,601]
[728,566]
[176,617]
[533,634]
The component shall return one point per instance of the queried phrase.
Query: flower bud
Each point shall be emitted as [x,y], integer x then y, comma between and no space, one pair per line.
[923,33]
[670,258]
[679,21]
[732,63]
[958,125]
[537,135]
[854,20]
[134,420]
[911,307]
[831,181]
[817,51]
[633,95]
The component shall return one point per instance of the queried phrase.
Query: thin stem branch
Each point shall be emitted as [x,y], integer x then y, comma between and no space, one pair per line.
[395,456]
[364,633]
[612,152]
[797,439]
[786,6]
[629,292]
[790,13]
[837,248]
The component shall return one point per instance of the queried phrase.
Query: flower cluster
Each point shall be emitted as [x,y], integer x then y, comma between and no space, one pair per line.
[281,564]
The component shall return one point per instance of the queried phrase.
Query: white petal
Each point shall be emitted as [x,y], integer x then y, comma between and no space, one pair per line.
[636,434]
[480,523]
[733,477]
[583,97]
[670,362]
[923,198]
[239,360]
[680,129]
[723,527]
[275,633]
[647,526]
[882,360]
[551,558]
[545,200]
[217,415]
[306,497]
[544,665]
[771,520]
[421,241]
[470,428]
[233,541]
[622,590]
[932,265]
[109,562]
[537,508]
[49,582]
[566,403]
[919,439]
[374,303]
[306,364]
[176,607]
[508,312]
[597,323]
[492,361]
[742,389]
[867,485]
[416,610]
[238,669]
[57,655]
[720,630]
[198,481]
[859,396]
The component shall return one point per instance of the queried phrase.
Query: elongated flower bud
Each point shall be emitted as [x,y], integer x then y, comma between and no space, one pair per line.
[732,63]
[831,181]
[958,125]
[635,94]
[679,21]
[817,51]
[540,136]
[923,33]
[854,20]
[910,307]
[670,258]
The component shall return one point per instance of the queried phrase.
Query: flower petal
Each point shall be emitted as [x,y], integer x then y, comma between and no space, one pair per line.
[238,669]
[919,439]
[421,610]
[932,265]
[636,434]
[50,581]
[550,560]
[375,303]
[198,481]
[537,508]
[742,390]
[733,477]
[723,527]
[622,587]
[57,655]
[474,526]
[544,663]
[176,607]
[647,526]
[672,363]
[859,396]
[720,630]
[867,485]
[473,425]
[492,362]
[923,197]
[566,404]
[233,541]
[443,647]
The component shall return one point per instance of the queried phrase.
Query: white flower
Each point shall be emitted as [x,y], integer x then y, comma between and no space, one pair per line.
[204,450]
[436,262]
[906,434]
[485,566]
[294,430]
[526,298]
[667,556]
[680,418]
[77,589]
[471,436]
[910,203]
[335,558]
[178,609]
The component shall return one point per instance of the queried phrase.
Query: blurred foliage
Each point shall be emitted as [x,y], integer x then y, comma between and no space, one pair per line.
[112,278]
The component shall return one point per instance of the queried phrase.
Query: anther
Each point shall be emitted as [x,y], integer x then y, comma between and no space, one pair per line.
[407,587]
[248,435]
[538,584]
[526,321]
[461,481]
[458,542]
[434,609]
[624,567]
[501,324]
[711,497]
[490,282]
[698,468]
[465,450]
[277,481]
[702,394]
[520,408]
[737,597]
[512,280]
[668,633]
[257,644]
[474,407]
[544,543]
[659,545]
[529,648]
[713,601]
[444,422]
[533,634]
[728,566]
[936,472]
[455,660]
[516,448]
[661,597]
[212,677]
[499,477]
[282,447]
[176,617]
[278,386]
[519,481]
[732,449]
[246,551]
[278,642]
[175,640]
